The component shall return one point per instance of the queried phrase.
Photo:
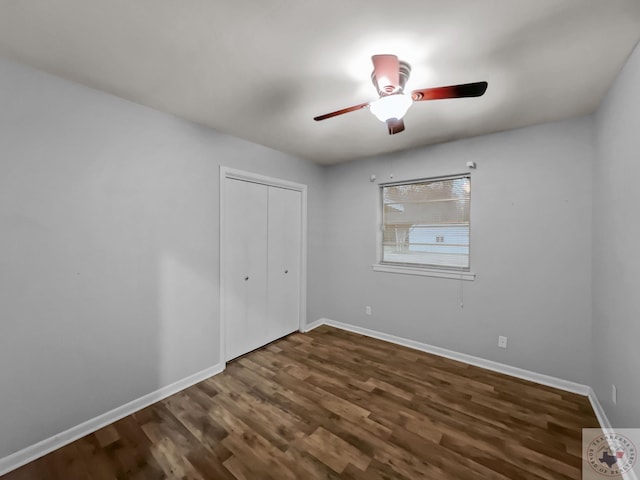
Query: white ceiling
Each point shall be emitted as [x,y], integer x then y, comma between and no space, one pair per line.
[262,69]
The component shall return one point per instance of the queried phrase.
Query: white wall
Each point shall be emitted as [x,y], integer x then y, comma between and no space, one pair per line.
[109,250]
[616,240]
[530,249]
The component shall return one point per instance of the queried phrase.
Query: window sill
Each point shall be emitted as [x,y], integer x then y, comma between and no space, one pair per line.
[425,272]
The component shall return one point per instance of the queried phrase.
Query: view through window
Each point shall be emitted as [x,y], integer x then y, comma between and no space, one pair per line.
[426,222]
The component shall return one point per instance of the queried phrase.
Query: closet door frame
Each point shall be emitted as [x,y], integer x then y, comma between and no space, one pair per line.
[231,173]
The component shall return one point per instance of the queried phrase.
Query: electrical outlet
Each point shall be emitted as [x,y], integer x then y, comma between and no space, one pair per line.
[502,341]
[367,310]
[614,394]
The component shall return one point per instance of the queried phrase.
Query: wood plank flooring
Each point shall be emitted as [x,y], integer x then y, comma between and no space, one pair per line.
[331,404]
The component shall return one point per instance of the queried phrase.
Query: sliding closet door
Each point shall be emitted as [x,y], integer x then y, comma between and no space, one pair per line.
[245,282]
[284,245]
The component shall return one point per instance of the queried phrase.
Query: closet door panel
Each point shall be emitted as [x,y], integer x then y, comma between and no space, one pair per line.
[245,288]
[284,247]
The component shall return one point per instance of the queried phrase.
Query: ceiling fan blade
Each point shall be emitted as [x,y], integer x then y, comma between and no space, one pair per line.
[386,69]
[341,112]
[476,89]
[395,126]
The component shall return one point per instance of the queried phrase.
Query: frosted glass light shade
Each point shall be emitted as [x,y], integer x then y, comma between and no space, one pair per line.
[391,106]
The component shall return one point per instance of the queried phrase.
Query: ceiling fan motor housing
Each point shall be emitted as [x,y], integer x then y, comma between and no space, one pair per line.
[404,72]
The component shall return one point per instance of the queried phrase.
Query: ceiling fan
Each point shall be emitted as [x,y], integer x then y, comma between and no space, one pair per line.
[389,76]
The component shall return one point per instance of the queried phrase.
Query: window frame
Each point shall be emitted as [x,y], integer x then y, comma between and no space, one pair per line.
[462,273]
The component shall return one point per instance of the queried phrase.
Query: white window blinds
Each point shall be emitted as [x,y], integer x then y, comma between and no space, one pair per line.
[426,222]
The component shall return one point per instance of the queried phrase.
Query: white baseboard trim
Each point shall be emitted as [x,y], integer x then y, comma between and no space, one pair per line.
[35,451]
[598,410]
[605,424]
[469,359]
[312,325]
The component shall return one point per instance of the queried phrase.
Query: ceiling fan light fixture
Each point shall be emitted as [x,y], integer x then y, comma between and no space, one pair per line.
[390,77]
[391,106]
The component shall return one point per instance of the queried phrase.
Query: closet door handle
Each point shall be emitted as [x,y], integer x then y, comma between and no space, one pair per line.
[246,278]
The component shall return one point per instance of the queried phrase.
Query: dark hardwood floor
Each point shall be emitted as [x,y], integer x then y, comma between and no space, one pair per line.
[332,404]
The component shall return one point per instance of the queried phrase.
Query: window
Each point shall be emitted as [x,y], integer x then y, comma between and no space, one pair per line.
[425,223]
